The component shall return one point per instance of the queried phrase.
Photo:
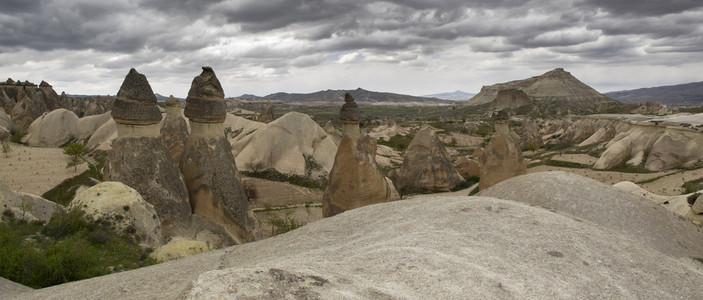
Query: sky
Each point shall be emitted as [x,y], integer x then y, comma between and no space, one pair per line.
[414,47]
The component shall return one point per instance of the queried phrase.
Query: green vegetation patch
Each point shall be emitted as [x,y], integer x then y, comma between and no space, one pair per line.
[398,142]
[693,185]
[273,174]
[68,248]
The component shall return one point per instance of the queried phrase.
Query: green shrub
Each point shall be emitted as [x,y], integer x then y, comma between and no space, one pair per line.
[68,248]
[693,185]
[398,142]
[273,174]
[17,137]
[282,225]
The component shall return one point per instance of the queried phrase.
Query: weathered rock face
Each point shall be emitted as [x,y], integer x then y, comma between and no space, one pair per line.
[634,217]
[152,172]
[207,163]
[179,249]
[427,166]
[136,102]
[390,129]
[502,157]
[417,249]
[675,149]
[355,179]
[124,209]
[5,125]
[629,144]
[205,102]
[175,129]
[289,144]
[139,157]
[509,99]
[468,167]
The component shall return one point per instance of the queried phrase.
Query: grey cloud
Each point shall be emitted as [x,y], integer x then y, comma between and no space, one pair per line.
[642,7]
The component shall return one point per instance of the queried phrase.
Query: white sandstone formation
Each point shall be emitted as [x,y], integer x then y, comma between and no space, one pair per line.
[502,157]
[124,209]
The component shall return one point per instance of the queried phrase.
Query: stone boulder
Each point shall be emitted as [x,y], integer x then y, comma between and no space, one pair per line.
[632,216]
[676,204]
[355,179]
[61,125]
[26,206]
[427,247]
[11,289]
[427,166]
[125,211]
[291,144]
[179,249]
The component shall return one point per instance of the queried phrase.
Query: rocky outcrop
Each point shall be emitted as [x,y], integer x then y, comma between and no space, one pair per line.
[675,148]
[502,157]
[426,247]
[139,157]
[236,128]
[123,209]
[291,144]
[634,217]
[509,99]
[60,126]
[556,91]
[267,115]
[174,129]
[468,167]
[179,249]
[355,179]
[6,125]
[26,206]
[426,166]
[207,163]
[388,130]
[628,147]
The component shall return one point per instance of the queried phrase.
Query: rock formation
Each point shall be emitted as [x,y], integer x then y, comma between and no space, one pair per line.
[291,144]
[502,157]
[6,125]
[427,247]
[40,209]
[139,157]
[427,166]
[355,179]
[389,130]
[61,125]
[175,129]
[208,165]
[123,209]
[509,99]
[609,207]
[267,115]
[556,91]
[468,167]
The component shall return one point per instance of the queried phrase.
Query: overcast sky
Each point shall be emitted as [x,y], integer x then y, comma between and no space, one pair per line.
[405,46]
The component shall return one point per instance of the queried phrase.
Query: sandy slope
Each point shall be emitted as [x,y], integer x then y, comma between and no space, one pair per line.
[35,170]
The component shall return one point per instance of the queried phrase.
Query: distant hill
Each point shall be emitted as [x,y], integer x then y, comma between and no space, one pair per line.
[159,97]
[680,95]
[360,95]
[453,96]
[556,91]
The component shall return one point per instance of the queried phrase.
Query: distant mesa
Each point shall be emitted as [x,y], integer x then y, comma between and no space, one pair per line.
[457,95]
[556,91]
[680,95]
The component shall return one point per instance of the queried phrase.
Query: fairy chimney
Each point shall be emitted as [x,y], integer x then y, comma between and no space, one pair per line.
[502,157]
[139,157]
[349,115]
[208,166]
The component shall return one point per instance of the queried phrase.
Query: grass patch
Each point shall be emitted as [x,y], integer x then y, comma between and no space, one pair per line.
[398,142]
[566,164]
[693,185]
[273,174]
[68,248]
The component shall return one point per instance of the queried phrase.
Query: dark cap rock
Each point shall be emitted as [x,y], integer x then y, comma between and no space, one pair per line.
[501,116]
[44,84]
[350,110]
[172,102]
[136,102]
[205,102]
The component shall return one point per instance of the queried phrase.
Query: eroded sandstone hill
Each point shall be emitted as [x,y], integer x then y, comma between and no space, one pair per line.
[556,91]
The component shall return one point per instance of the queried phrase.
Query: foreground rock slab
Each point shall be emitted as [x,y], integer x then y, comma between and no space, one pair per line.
[458,246]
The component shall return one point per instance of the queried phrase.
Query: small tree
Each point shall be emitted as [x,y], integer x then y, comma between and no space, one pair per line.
[6,148]
[76,153]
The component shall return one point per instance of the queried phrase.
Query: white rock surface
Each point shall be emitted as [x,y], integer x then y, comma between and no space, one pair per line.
[26,206]
[284,144]
[457,247]
[634,217]
[244,126]
[124,209]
